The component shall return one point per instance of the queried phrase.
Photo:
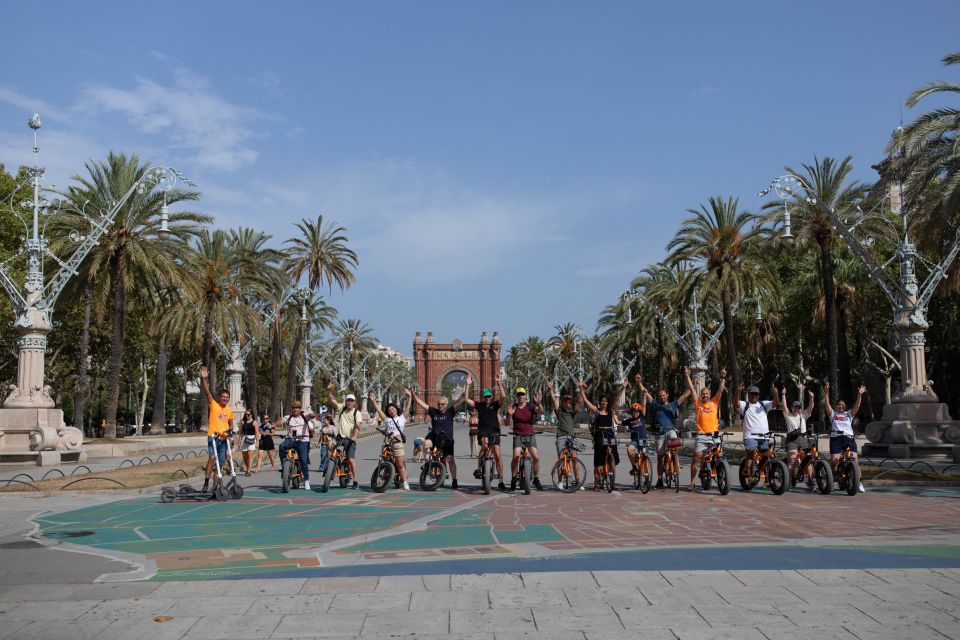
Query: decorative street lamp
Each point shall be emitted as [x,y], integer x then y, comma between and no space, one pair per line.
[29,422]
[915,423]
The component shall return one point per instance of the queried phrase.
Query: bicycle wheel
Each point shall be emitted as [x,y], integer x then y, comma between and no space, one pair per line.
[328,474]
[645,474]
[286,470]
[486,475]
[823,475]
[675,461]
[853,477]
[777,476]
[297,477]
[344,481]
[526,474]
[706,480]
[168,494]
[381,477]
[432,475]
[723,477]
[610,474]
[746,482]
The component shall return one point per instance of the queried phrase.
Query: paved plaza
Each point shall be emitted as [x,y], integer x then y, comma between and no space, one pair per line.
[461,564]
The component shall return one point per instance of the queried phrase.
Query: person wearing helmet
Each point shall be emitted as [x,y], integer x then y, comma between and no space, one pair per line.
[636,424]
[523,415]
[708,421]
[488,423]
[756,428]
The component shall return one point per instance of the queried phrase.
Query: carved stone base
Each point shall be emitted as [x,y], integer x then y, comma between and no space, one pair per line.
[913,430]
[38,435]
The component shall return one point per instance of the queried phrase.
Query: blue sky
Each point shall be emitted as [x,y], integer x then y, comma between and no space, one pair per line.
[498,165]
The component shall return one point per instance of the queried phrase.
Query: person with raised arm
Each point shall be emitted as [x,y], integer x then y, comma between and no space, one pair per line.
[394,423]
[566,412]
[796,422]
[349,420]
[299,431]
[841,425]
[708,420]
[220,424]
[523,415]
[636,425]
[605,422]
[756,427]
[662,425]
[441,429]
[488,423]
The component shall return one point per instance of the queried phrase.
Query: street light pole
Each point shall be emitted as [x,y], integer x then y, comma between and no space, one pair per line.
[29,421]
[915,421]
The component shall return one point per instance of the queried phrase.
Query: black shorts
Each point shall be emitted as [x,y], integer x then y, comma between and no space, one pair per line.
[492,438]
[839,443]
[447,445]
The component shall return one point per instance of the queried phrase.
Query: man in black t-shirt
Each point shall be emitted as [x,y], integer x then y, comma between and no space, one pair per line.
[488,426]
[441,430]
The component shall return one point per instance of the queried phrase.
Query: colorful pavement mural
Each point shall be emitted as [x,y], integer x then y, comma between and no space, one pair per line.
[357,532]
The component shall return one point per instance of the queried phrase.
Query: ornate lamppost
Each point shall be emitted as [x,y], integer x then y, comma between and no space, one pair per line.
[30,425]
[915,423]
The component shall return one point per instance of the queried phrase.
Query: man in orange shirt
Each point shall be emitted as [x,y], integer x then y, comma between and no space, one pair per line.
[219,429]
[708,420]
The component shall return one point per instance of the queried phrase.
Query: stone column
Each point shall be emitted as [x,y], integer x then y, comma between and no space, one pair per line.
[235,384]
[306,387]
[32,326]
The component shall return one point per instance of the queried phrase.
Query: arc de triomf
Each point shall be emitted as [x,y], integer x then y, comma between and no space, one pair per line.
[434,362]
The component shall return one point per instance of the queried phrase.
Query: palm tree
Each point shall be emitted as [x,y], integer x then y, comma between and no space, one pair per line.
[930,147]
[717,240]
[829,186]
[355,339]
[321,252]
[131,254]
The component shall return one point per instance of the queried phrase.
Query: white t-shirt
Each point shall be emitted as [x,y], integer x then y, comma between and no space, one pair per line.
[299,427]
[755,417]
[394,426]
[795,422]
[841,424]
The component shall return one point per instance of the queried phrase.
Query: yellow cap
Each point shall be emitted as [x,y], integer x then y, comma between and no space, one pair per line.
[521,390]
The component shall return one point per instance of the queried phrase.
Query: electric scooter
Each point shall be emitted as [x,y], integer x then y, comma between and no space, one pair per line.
[187,492]
[233,487]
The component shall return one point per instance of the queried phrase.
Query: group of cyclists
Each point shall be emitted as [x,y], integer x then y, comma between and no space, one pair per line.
[651,422]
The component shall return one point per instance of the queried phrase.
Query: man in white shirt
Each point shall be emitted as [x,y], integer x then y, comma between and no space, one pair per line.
[300,430]
[753,414]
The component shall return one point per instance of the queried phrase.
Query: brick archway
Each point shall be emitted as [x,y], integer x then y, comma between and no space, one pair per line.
[433,361]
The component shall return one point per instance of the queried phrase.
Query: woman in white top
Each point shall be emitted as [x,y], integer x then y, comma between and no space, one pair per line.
[841,424]
[394,423]
[796,421]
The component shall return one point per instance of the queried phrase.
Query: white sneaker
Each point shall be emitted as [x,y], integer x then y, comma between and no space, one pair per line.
[406,486]
[862,490]
[306,485]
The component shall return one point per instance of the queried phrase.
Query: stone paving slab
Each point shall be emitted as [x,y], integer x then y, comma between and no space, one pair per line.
[632,604]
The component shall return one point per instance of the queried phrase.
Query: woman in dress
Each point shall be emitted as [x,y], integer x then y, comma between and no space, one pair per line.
[604,427]
[249,430]
[266,445]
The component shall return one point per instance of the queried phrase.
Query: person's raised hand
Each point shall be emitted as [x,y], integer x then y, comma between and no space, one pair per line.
[686,371]
[549,385]
[372,396]
[861,390]
[330,386]
[723,372]
[809,393]
[538,397]
[204,373]
[469,379]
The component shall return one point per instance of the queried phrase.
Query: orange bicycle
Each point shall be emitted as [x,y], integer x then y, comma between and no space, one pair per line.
[569,473]
[801,462]
[291,472]
[671,464]
[847,472]
[767,469]
[337,465]
[713,465]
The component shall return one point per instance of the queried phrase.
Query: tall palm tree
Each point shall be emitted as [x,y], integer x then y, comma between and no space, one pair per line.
[320,252]
[720,241]
[131,254]
[355,339]
[830,185]
[931,157]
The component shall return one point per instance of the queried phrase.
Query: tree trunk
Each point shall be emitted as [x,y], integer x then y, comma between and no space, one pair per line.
[660,356]
[178,407]
[116,344]
[729,342]
[207,359]
[830,317]
[251,366]
[159,418]
[80,396]
[843,352]
[291,387]
[275,374]
[142,407]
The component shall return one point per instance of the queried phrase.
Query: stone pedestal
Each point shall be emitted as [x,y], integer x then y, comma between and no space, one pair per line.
[38,435]
[306,387]
[914,427]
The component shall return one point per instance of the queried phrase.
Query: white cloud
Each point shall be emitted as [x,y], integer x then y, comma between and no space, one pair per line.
[189,113]
[28,104]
